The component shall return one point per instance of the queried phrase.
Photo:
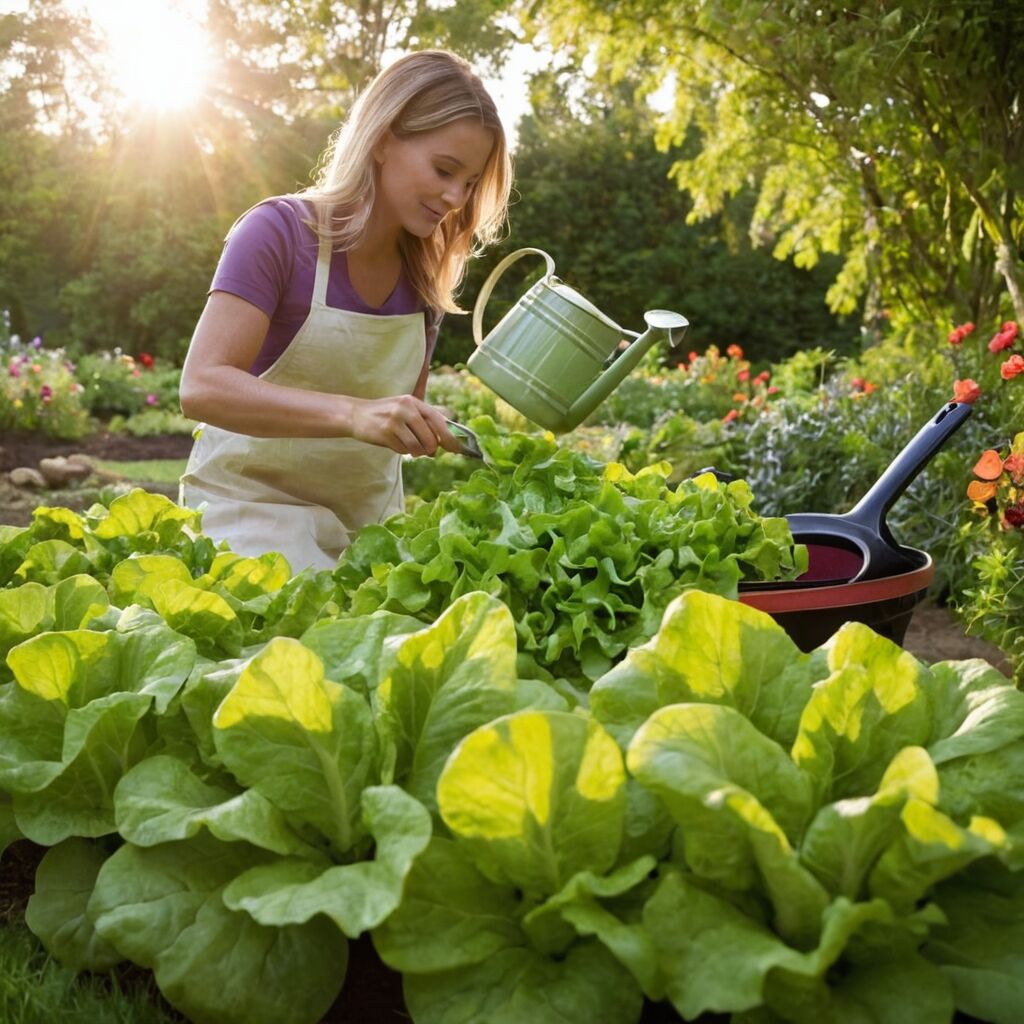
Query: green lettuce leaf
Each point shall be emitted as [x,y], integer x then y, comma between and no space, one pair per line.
[443,682]
[56,911]
[305,743]
[356,897]
[536,797]
[716,652]
[162,908]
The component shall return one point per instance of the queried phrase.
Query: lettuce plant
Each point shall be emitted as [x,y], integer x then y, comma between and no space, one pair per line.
[586,555]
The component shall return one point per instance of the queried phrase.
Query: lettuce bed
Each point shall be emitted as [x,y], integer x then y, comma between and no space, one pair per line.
[236,772]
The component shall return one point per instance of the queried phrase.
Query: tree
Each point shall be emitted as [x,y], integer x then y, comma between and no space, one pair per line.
[594,192]
[892,134]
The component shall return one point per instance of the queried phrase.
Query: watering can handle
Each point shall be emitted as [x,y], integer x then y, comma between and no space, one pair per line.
[485,291]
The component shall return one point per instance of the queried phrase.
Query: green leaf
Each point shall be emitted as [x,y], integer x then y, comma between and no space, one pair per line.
[977,709]
[516,985]
[450,914]
[162,908]
[355,651]
[981,951]
[740,800]
[442,683]
[200,614]
[127,576]
[714,651]
[872,706]
[356,897]
[546,924]
[74,796]
[160,800]
[536,797]
[931,848]
[56,911]
[846,838]
[51,561]
[721,959]
[305,743]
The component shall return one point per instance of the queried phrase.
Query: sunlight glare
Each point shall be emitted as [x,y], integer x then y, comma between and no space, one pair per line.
[157,49]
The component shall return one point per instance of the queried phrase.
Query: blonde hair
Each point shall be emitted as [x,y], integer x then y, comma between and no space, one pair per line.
[419,92]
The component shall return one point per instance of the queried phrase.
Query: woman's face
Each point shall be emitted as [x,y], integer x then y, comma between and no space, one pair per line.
[424,177]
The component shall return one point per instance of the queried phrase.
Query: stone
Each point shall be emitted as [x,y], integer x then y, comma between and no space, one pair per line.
[27,477]
[59,472]
[81,459]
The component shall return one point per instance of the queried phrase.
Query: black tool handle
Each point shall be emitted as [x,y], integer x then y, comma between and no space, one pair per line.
[872,509]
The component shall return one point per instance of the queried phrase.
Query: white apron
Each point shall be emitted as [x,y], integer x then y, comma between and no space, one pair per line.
[307,496]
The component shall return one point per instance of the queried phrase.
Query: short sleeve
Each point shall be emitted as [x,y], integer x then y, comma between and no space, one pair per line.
[256,262]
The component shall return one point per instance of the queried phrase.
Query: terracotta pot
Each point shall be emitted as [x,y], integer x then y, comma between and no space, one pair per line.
[811,614]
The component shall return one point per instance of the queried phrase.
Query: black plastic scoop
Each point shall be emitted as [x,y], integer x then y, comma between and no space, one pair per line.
[858,544]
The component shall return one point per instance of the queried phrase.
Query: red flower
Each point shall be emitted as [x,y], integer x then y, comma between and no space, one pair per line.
[762,377]
[1012,366]
[773,390]
[146,359]
[1014,465]
[692,357]
[1004,337]
[743,375]
[1014,515]
[730,416]
[966,390]
[734,352]
[958,334]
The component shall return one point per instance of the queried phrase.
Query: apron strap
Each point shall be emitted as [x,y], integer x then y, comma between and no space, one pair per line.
[323,272]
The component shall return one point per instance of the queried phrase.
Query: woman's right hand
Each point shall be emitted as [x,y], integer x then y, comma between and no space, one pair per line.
[403,423]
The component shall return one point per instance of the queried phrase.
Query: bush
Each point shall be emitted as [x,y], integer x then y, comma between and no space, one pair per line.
[38,391]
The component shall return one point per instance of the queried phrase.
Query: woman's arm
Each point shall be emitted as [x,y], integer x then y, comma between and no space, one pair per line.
[217,388]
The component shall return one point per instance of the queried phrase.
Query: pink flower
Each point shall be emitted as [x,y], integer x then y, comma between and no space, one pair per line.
[773,390]
[958,334]
[762,377]
[151,399]
[13,370]
[46,392]
[743,375]
[1012,366]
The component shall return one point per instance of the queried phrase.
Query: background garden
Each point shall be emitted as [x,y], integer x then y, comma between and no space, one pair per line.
[832,194]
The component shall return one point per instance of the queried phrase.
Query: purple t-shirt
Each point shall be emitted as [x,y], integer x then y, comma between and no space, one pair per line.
[269,259]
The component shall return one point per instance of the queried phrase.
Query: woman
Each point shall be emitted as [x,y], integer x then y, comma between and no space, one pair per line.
[308,366]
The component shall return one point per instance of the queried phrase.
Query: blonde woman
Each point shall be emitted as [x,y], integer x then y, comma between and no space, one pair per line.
[308,366]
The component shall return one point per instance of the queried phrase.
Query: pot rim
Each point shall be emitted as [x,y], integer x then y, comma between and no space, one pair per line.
[842,595]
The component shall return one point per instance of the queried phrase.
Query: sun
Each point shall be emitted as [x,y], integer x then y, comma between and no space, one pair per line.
[157,50]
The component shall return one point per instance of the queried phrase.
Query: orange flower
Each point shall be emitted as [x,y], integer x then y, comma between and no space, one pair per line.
[1012,366]
[734,352]
[739,397]
[989,466]
[966,390]
[978,490]
[730,416]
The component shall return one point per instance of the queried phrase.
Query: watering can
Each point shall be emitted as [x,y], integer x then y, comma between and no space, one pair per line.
[552,355]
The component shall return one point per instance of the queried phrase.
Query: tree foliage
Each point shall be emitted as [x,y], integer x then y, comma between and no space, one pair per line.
[889,133]
[595,193]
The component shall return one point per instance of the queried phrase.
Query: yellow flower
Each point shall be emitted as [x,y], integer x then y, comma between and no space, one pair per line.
[18,403]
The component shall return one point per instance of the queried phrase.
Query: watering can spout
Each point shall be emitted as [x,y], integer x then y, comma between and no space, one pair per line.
[660,323]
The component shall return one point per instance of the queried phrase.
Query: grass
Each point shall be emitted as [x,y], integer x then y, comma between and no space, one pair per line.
[35,989]
[158,471]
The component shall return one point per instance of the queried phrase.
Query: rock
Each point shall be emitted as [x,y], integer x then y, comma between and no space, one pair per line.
[81,459]
[27,477]
[59,471]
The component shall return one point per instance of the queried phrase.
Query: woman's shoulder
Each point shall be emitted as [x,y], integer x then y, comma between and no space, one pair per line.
[288,215]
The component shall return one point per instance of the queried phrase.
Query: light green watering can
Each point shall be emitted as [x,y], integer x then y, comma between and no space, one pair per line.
[550,356]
